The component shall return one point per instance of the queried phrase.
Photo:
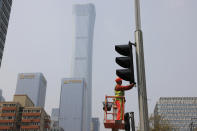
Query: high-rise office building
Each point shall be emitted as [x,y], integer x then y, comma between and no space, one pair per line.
[1,96]
[82,61]
[95,126]
[55,120]
[179,112]
[55,117]
[33,85]
[72,109]
[5,9]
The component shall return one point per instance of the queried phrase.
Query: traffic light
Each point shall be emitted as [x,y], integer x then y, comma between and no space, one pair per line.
[125,62]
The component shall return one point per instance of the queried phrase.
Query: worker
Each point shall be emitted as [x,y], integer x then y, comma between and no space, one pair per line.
[119,91]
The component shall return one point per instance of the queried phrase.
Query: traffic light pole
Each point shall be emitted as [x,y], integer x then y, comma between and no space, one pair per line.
[141,78]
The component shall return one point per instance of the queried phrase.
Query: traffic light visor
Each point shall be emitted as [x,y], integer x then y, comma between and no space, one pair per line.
[125,74]
[123,49]
[123,61]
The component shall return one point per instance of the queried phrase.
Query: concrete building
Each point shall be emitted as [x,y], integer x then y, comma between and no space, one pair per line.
[34,119]
[21,115]
[33,85]
[82,56]
[179,112]
[95,126]
[5,9]
[24,100]
[72,112]
[9,116]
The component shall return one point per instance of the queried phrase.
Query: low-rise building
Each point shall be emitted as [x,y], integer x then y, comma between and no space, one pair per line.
[22,115]
[9,116]
[34,118]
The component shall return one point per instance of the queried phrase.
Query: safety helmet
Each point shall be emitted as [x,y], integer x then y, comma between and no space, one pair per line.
[118,79]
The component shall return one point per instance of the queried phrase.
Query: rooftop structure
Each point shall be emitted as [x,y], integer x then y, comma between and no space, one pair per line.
[24,100]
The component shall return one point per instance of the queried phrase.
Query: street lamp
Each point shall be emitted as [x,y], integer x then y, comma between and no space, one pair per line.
[141,79]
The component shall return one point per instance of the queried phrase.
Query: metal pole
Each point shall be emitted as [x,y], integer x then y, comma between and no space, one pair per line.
[141,79]
[132,121]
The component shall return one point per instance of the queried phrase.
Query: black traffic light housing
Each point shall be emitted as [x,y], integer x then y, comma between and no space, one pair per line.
[125,62]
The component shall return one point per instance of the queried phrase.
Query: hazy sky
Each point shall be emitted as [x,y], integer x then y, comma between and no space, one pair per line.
[40,38]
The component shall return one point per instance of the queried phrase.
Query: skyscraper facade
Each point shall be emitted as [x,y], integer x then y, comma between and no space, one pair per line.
[82,59]
[179,112]
[71,109]
[5,9]
[32,85]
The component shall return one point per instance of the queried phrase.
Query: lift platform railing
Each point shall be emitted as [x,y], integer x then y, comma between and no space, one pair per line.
[110,112]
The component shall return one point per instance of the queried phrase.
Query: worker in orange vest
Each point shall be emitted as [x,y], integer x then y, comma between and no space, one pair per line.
[119,91]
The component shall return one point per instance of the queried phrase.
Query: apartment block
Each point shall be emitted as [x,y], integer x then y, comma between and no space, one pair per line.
[34,118]
[9,116]
[22,115]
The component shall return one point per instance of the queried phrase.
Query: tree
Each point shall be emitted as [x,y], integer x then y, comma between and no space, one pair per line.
[157,123]
[195,129]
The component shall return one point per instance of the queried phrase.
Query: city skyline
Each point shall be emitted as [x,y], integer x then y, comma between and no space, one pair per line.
[169,44]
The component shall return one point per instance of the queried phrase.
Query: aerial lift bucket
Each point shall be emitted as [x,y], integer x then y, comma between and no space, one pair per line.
[110,113]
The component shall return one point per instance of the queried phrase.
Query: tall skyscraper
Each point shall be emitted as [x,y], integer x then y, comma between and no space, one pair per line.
[72,109]
[33,85]
[179,112]
[5,8]
[82,61]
